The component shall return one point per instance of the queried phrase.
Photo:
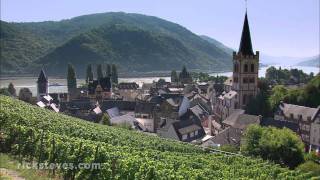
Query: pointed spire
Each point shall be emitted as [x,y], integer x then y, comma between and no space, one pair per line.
[245,44]
[42,76]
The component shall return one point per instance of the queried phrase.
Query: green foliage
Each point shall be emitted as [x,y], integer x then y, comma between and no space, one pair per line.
[12,90]
[51,137]
[114,74]
[99,71]
[105,120]
[174,76]
[25,95]
[4,91]
[185,76]
[71,78]
[89,73]
[260,104]
[124,125]
[307,96]
[310,167]
[285,76]
[134,42]
[279,145]
[230,148]
[205,77]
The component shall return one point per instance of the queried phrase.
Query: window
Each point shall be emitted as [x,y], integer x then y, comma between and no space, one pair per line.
[246,68]
[291,116]
[185,137]
[252,67]
[196,133]
[192,134]
[245,80]
[251,80]
[235,79]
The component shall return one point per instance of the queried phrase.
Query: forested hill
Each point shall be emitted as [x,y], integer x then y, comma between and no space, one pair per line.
[132,41]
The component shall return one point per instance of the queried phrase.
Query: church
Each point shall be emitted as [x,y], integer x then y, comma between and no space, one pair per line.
[243,85]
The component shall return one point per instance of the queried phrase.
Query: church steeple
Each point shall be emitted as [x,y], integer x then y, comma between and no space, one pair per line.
[42,77]
[245,44]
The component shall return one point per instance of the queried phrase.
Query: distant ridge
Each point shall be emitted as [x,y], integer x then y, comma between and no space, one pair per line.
[135,42]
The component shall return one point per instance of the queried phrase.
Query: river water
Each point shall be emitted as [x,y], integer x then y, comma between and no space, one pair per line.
[30,82]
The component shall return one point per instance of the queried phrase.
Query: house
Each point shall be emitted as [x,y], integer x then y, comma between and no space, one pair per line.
[128,91]
[315,131]
[144,114]
[241,121]
[280,124]
[229,136]
[99,89]
[301,115]
[187,129]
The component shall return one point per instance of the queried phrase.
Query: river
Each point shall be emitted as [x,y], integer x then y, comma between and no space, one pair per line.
[30,82]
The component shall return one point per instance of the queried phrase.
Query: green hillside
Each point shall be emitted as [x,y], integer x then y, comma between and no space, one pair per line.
[46,136]
[171,45]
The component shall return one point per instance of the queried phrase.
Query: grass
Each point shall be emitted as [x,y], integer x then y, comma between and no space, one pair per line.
[10,163]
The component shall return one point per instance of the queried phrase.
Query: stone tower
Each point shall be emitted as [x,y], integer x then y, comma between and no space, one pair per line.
[245,68]
[42,85]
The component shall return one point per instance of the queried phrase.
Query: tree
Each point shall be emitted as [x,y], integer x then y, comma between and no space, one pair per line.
[184,76]
[174,76]
[25,95]
[105,120]
[4,91]
[282,146]
[108,72]
[89,75]
[310,167]
[12,90]
[278,94]
[71,78]
[99,72]
[114,74]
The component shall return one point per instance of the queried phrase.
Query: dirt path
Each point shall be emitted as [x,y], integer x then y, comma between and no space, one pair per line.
[11,174]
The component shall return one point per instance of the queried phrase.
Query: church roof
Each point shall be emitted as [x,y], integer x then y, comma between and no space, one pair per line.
[42,76]
[245,44]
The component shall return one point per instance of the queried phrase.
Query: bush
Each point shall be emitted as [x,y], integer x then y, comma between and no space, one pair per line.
[230,148]
[310,167]
[282,146]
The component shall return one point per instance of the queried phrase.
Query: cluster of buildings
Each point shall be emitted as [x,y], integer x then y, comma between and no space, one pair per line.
[204,113]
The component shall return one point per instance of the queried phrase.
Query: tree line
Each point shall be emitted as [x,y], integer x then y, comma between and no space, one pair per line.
[110,71]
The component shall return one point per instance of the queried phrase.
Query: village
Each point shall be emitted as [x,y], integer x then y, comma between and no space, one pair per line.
[210,114]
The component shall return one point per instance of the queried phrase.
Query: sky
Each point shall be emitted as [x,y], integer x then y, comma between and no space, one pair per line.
[278,27]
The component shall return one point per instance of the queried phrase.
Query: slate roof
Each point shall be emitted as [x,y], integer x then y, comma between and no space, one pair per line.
[241,121]
[122,105]
[42,77]
[280,124]
[128,85]
[246,44]
[186,126]
[144,107]
[287,109]
[229,136]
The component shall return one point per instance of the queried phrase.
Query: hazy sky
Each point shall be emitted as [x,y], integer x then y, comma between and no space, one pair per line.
[278,27]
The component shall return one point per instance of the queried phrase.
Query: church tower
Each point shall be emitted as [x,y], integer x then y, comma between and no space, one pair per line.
[42,85]
[245,68]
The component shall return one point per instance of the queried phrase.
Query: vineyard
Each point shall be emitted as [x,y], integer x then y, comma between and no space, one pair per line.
[39,135]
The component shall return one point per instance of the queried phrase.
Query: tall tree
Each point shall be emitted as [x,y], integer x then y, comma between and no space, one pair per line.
[89,75]
[71,78]
[25,95]
[114,74]
[108,72]
[174,76]
[99,71]
[12,90]
[184,76]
